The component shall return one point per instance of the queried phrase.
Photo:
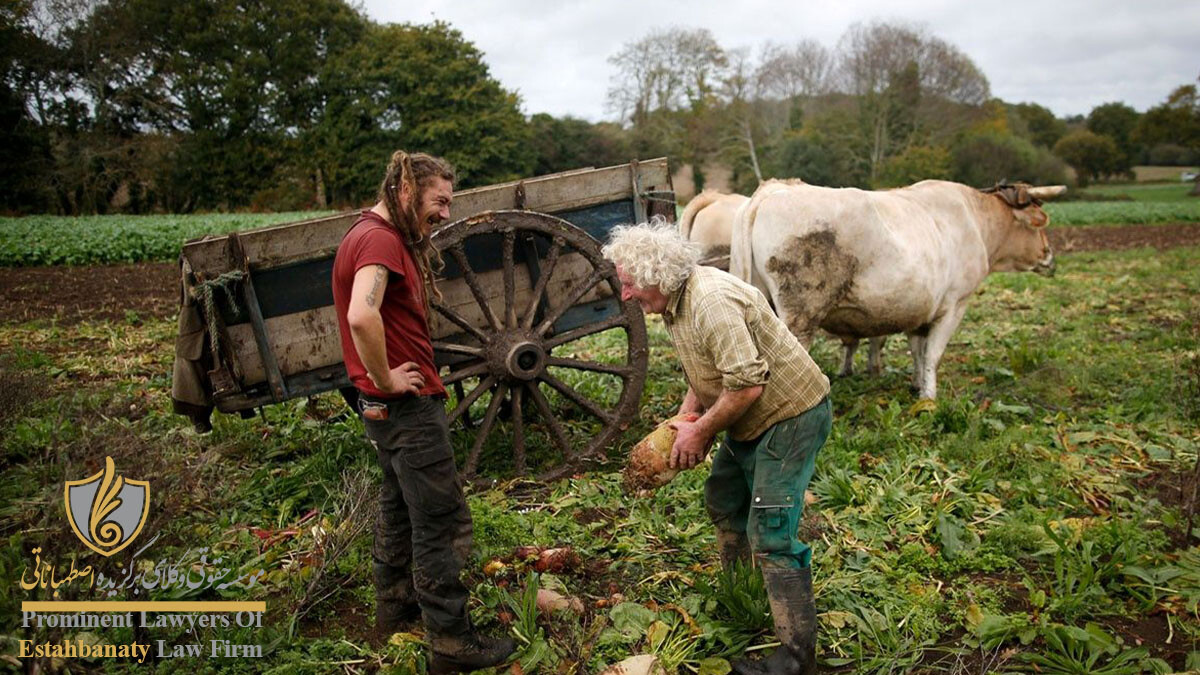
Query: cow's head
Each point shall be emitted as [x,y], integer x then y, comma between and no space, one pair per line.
[1025,245]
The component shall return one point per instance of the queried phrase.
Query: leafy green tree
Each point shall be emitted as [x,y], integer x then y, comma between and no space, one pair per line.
[564,143]
[984,157]
[25,161]
[1171,154]
[282,103]
[1175,121]
[811,157]
[418,87]
[907,86]
[916,163]
[665,88]
[1117,121]
[1091,155]
[1044,128]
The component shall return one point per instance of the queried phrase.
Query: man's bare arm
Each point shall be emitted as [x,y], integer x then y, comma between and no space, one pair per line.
[366,330]
[694,438]
[691,403]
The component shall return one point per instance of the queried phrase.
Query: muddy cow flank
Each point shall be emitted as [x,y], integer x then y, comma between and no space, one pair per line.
[708,220]
[862,264]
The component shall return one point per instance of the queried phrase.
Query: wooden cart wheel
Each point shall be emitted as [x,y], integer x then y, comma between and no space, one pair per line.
[525,335]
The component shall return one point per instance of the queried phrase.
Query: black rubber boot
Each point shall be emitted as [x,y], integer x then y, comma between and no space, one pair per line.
[464,653]
[732,547]
[795,614]
[395,599]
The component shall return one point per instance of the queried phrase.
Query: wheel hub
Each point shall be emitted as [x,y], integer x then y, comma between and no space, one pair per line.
[516,357]
[525,360]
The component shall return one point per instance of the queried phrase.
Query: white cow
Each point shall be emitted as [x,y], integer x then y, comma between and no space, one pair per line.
[708,220]
[862,264]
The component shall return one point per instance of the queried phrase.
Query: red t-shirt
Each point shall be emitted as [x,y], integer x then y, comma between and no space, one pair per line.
[373,241]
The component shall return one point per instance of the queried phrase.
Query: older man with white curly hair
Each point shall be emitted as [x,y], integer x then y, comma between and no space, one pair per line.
[749,377]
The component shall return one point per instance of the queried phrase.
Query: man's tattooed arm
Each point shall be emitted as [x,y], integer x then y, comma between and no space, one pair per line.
[380,277]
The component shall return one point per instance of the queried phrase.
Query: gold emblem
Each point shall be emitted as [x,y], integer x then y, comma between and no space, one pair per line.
[105,510]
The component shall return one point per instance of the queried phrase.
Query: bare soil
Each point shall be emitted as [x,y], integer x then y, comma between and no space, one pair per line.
[90,293]
[1123,237]
[17,390]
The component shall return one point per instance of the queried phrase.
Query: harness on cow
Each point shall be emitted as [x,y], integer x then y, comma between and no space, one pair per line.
[1015,195]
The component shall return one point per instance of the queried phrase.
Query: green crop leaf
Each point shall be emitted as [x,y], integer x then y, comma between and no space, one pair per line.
[631,619]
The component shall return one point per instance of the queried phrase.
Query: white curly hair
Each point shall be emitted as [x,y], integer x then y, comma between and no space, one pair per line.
[653,254]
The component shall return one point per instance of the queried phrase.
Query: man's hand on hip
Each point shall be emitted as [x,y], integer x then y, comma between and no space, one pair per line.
[405,378]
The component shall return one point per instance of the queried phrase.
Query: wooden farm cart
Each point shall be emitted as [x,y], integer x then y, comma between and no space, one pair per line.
[543,362]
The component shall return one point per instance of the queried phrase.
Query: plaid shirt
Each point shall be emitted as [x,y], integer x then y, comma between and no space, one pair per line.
[727,337]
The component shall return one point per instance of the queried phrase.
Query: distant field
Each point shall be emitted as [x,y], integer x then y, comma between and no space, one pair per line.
[1149,192]
[1155,174]
[1122,213]
[89,240]
[57,240]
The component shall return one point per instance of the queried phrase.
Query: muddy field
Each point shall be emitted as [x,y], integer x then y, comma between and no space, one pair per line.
[107,292]
[1067,411]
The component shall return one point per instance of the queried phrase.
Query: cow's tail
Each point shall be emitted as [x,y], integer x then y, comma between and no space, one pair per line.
[741,257]
[693,207]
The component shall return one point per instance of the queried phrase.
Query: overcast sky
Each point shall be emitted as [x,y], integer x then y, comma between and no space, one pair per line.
[1067,56]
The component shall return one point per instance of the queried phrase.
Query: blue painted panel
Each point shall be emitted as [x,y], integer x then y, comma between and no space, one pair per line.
[295,288]
[307,285]
[599,220]
[582,315]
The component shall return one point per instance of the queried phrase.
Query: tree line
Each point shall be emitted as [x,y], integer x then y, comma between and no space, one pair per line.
[142,105]
[890,104]
[155,105]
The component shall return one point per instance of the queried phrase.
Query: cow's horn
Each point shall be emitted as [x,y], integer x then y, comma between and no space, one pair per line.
[1047,191]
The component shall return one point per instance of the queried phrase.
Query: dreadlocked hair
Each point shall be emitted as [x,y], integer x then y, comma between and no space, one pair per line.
[416,171]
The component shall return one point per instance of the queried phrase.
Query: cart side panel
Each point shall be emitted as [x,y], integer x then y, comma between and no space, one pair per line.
[280,245]
[291,267]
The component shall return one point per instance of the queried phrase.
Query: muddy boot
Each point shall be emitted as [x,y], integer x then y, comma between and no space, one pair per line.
[732,547]
[795,615]
[395,599]
[467,652]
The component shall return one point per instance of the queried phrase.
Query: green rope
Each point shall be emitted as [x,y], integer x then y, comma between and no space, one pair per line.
[205,292]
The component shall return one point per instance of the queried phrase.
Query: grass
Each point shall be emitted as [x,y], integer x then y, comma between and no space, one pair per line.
[1124,212]
[54,240]
[1030,521]
[85,240]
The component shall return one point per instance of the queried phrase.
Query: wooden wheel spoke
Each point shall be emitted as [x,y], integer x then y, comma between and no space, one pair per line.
[457,376]
[566,270]
[455,348]
[468,275]
[510,286]
[458,320]
[462,406]
[593,366]
[485,427]
[577,398]
[583,331]
[539,289]
[518,424]
[573,297]
[556,430]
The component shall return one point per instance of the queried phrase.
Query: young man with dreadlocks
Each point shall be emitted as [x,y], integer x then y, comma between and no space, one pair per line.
[382,278]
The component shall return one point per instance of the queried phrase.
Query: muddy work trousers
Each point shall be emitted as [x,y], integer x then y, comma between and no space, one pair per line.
[757,486]
[423,530]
